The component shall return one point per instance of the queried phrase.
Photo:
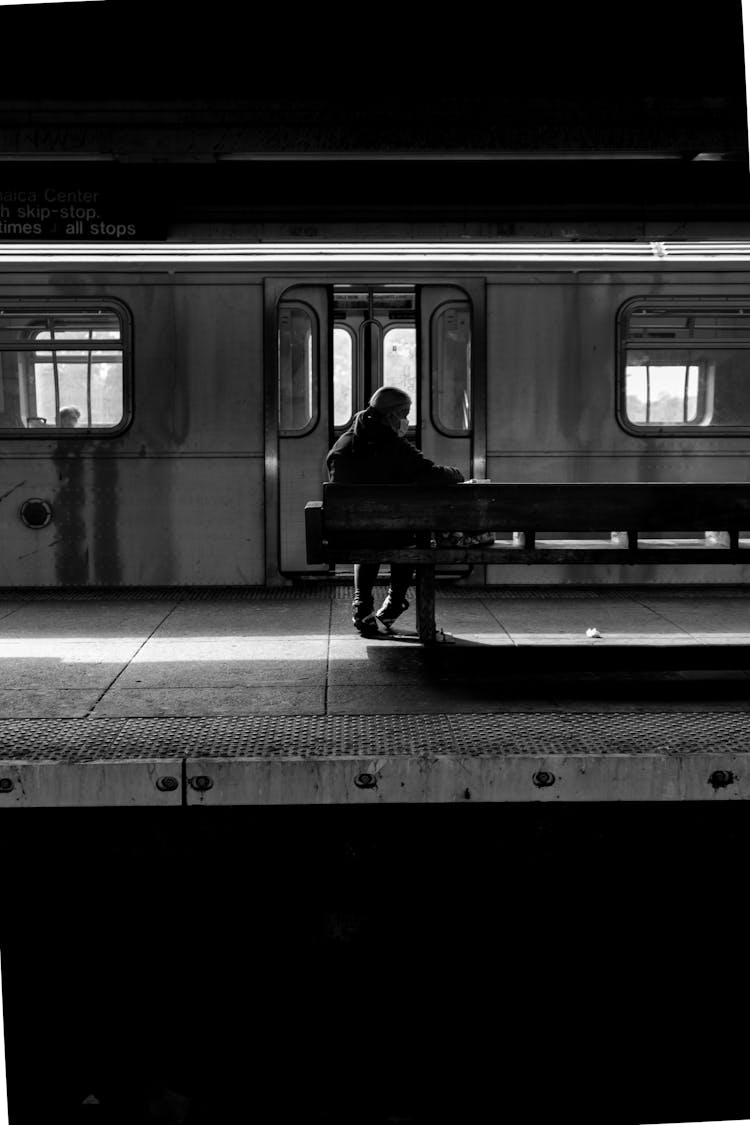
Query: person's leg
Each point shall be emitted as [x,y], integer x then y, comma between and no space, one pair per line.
[363,617]
[402,576]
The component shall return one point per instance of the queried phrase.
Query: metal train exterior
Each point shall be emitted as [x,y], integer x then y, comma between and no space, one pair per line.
[210,380]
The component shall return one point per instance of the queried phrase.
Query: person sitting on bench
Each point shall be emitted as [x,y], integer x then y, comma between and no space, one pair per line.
[374,451]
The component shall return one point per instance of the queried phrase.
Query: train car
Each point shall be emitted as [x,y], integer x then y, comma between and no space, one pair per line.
[166,409]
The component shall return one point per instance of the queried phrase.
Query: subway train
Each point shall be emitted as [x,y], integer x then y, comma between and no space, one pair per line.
[166,409]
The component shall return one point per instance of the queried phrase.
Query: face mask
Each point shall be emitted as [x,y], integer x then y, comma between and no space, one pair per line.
[403,427]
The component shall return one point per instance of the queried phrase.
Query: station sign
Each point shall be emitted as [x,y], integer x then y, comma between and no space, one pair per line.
[53,207]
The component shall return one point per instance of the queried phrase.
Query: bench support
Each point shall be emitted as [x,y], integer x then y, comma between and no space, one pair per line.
[425,584]
[314,531]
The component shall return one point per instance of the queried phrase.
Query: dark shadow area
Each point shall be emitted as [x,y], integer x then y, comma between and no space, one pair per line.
[469,659]
[399,636]
[631,673]
[414,964]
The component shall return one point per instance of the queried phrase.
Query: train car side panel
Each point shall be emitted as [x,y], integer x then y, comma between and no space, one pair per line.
[177,498]
[552,362]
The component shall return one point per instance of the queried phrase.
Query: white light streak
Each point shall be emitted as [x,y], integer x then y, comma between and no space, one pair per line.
[323,253]
[97,652]
[19,3]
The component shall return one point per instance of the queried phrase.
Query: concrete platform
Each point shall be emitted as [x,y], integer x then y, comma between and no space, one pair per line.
[270,697]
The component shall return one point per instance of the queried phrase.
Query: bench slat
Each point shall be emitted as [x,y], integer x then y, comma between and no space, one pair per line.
[542,507]
[443,556]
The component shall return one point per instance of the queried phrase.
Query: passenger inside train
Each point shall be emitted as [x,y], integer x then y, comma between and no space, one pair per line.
[373,451]
[69,417]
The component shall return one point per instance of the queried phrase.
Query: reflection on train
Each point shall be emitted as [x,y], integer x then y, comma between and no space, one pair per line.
[165,411]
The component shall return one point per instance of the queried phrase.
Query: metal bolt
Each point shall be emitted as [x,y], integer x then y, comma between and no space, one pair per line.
[543,779]
[366,781]
[721,778]
[6,784]
[200,783]
[167,784]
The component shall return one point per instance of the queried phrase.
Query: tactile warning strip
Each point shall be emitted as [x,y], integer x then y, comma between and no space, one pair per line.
[374,736]
[605,733]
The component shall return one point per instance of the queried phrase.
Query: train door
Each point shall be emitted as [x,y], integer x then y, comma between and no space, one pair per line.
[298,422]
[447,379]
[335,345]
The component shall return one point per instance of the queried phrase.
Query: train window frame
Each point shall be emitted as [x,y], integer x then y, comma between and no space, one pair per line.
[301,431]
[438,424]
[48,307]
[700,305]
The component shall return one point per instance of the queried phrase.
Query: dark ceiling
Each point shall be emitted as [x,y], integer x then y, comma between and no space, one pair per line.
[126,48]
[131,79]
[639,108]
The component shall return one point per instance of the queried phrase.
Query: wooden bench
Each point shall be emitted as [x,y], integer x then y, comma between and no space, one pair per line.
[683,511]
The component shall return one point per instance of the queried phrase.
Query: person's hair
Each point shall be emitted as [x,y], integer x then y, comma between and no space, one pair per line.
[69,411]
[387,399]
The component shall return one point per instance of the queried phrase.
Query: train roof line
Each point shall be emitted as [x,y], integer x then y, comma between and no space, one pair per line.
[293,252]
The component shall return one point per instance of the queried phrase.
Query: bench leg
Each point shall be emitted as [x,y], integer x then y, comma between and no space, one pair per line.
[426,604]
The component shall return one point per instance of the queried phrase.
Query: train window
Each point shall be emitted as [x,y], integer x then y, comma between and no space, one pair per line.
[450,361]
[662,393]
[685,366]
[298,354]
[400,362]
[343,374]
[62,370]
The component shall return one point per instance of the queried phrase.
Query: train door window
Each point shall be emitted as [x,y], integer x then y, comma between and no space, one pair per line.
[344,374]
[450,348]
[375,344]
[298,349]
[684,366]
[63,369]
[400,362]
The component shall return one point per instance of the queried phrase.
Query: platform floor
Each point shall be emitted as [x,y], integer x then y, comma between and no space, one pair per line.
[278,677]
[282,652]
[542,864]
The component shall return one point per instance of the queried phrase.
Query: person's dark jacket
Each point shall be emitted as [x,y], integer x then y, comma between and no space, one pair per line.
[370,452]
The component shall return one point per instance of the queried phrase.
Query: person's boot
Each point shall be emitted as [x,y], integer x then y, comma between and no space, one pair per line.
[391,609]
[363,619]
